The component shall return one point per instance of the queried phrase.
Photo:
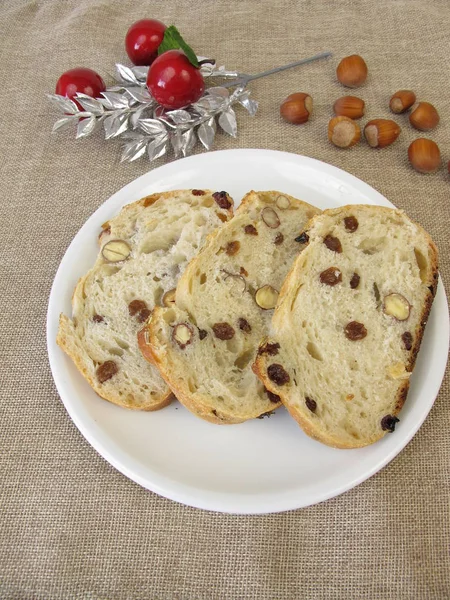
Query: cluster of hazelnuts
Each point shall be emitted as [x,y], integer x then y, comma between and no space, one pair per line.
[344,131]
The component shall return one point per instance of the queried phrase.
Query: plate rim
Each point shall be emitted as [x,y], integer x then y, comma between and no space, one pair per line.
[214,501]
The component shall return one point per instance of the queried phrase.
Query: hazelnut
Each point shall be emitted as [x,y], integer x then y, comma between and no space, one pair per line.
[352,71]
[116,251]
[169,298]
[349,106]
[397,306]
[401,101]
[236,278]
[424,155]
[266,297]
[106,370]
[270,217]
[232,248]
[424,117]
[182,334]
[343,132]
[296,108]
[223,331]
[355,331]
[278,374]
[380,133]
[283,202]
[331,276]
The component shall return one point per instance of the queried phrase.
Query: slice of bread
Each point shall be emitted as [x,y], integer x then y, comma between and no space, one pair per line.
[349,323]
[160,234]
[204,345]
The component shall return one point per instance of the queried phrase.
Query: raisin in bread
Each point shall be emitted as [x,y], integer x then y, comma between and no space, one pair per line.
[349,323]
[144,249]
[205,344]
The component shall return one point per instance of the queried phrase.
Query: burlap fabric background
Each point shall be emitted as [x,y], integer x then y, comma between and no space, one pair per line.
[73,527]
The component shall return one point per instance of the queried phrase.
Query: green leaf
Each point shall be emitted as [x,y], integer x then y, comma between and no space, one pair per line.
[172,40]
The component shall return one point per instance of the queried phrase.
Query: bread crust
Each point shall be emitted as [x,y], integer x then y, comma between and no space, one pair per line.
[260,365]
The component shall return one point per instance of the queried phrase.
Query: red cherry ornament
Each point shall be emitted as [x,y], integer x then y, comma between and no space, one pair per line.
[85,81]
[142,41]
[173,81]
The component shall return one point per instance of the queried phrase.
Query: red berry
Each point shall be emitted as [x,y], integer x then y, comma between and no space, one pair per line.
[142,41]
[173,81]
[81,80]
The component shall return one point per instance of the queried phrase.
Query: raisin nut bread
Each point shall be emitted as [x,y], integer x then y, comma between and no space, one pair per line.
[205,344]
[349,323]
[143,251]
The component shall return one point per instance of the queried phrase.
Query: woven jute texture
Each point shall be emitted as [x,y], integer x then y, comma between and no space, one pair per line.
[71,526]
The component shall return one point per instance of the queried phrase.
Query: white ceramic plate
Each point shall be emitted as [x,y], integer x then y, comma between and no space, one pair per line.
[262,466]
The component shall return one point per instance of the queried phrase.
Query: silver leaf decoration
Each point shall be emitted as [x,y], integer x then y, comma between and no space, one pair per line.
[157,147]
[176,140]
[152,126]
[206,133]
[188,143]
[140,73]
[132,135]
[114,101]
[159,111]
[125,74]
[139,94]
[136,116]
[250,105]
[115,125]
[222,72]
[64,122]
[218,91]
[179,116]
[129,111]
[212,103]
[85,127]
[133,150]
[64,104]
[227,120]
[90,104]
